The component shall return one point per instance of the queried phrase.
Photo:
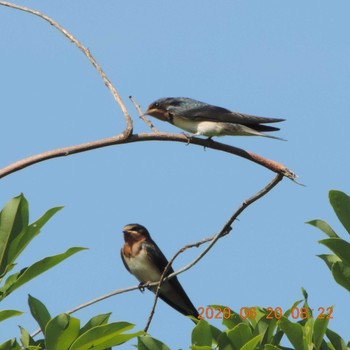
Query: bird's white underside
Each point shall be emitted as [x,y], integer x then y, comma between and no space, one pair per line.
[142,268]
[209,128]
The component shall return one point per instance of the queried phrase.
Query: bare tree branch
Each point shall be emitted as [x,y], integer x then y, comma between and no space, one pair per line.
[142,115]
[161,136]
[272,165]
[93,301]
[224,231]
[88,54]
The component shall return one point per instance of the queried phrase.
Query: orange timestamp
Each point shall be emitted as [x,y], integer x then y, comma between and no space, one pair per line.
[303,313]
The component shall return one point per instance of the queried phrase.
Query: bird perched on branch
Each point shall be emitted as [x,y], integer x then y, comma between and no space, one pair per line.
[142,257]
[200,118]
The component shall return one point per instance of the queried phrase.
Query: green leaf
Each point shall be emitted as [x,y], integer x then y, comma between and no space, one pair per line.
[256,313]
[294,332]
[26,340]
[289,311]
[266,328]
[201,334]
[340,271]
[305,295]
[146,342]
[339,247]
[234,318]
[329,259]
[29,232]
[199,347]
[18,279]
[224,342]
[320,327]
[215,333]
[39,312]
[25,337]
[341,205]
[104,336]
[323,226]
[240,335]
[13,219]
[40,344]
[15,234]
[271,347]
[4,314]
[10,345]
[251,344]
[308,333]
[341,274]
[336,340]
[277,338]
[95,321]
[61,332]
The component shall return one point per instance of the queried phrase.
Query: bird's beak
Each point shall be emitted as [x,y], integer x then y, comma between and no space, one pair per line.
[126,229]
[157,113]
[149,111]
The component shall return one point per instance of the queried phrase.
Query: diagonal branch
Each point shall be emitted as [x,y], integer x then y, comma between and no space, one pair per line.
[87,53]
[224,231]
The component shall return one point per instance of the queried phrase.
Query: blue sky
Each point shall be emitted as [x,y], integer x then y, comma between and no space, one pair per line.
[285,59]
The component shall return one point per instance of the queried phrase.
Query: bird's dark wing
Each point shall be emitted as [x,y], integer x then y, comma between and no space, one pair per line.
[214,113]
[173,293]
[178,299]
[156,256]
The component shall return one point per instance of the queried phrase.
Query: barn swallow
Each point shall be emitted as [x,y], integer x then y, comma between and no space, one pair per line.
[142,258]
[200,118]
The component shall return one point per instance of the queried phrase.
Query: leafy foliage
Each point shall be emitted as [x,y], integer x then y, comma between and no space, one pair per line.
[63,332]
[251,328]
[15,235]
[263,329]
[339,262]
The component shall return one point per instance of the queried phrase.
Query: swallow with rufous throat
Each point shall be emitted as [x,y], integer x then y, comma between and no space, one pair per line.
[142,258]
[201,118]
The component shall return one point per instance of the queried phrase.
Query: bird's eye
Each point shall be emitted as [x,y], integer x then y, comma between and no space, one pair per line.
[156,105]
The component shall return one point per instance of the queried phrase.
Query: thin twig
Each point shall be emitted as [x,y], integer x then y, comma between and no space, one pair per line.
[94,301]
[163,277]
[87,53]
[142,115]
[227,227]
[123,290]
[161,136]
[224,231]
